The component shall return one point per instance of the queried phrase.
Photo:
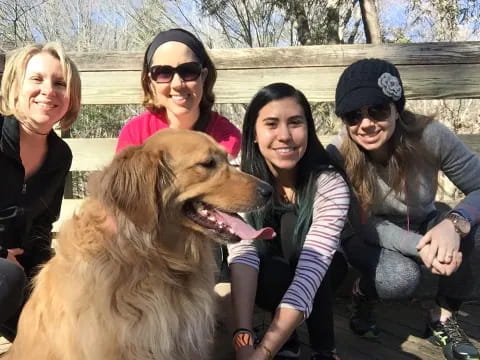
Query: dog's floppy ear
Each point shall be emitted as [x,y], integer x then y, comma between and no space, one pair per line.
[131,183]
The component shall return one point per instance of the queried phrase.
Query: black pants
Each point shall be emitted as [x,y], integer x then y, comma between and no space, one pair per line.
[12,296]
[276,274]
[388,274]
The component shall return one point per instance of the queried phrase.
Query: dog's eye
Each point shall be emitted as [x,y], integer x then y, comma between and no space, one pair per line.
[209,164]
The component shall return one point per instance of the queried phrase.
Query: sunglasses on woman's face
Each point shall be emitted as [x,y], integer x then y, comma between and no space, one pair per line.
[375,112]
[187,71]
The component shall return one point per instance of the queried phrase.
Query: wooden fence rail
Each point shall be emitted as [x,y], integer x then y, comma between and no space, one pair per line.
[429,71]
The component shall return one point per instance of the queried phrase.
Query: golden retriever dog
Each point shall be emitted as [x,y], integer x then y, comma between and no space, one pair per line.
[133,274]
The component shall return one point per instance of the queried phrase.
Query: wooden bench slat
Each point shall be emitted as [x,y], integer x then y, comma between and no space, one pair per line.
[91,154]
[302,56]
[94,154]
[318,83]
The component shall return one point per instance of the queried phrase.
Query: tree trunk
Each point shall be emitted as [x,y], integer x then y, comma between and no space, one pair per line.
[332,23]
[303,28]
[370,21]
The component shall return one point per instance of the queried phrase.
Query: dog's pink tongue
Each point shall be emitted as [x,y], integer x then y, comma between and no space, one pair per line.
[243,230]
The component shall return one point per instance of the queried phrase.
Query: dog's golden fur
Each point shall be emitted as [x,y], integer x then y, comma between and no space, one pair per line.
[133,276]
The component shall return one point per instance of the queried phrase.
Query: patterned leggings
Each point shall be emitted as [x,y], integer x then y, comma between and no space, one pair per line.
[388,274]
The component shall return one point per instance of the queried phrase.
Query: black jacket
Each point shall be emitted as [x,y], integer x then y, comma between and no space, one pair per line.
[29,207]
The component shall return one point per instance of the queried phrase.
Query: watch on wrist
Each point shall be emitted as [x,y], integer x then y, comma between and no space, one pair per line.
[461,224]
[3,252]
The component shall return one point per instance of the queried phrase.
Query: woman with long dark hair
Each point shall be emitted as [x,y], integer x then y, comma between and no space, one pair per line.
[293,275]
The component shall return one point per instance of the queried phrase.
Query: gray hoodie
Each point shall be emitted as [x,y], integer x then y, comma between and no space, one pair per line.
[451,156]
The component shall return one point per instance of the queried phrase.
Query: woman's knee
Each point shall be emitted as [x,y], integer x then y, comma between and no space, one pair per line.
[396,276]
[12,286]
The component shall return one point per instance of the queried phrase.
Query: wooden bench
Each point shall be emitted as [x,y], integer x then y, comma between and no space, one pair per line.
[429,71]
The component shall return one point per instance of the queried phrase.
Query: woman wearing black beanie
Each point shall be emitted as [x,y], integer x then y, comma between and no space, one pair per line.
[392,158]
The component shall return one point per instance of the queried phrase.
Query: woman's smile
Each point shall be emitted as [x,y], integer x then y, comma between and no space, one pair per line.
[285,151]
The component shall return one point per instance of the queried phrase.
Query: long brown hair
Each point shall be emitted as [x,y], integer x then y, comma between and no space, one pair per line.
[405,146]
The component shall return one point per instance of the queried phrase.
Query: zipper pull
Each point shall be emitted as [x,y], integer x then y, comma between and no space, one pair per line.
[24,189]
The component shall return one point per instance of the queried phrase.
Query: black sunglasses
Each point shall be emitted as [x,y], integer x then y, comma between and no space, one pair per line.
[375,112]
[189,71]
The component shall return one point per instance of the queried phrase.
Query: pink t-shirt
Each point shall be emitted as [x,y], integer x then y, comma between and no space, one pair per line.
[142,126]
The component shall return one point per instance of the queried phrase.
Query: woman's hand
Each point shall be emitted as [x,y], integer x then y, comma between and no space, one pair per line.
[437,267]
[441,245]
[12,255]
[444,241]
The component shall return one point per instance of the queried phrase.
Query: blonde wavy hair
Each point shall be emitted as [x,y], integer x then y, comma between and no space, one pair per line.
[15,72]
[405,145]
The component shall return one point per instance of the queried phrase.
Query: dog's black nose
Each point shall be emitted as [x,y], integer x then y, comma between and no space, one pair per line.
[264,190]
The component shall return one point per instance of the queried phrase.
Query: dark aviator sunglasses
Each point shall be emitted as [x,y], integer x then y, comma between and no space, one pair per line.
[375,112]
[189,71]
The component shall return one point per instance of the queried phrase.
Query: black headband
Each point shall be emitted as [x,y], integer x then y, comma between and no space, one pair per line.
[178,35]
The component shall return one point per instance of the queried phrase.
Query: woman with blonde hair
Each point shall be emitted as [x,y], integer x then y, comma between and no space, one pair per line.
[392,158]
[40,88]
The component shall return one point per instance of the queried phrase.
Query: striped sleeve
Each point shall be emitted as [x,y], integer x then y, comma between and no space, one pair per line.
[330,208]
[243,252]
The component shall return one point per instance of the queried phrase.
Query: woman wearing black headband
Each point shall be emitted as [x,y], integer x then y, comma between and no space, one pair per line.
[177,80]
